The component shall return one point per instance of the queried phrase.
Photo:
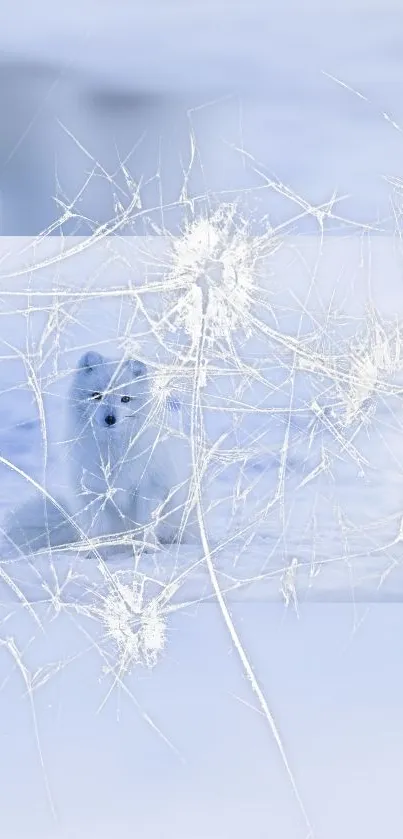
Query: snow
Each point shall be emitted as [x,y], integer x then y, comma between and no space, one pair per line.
[134,700]
[336,695]
[249,686]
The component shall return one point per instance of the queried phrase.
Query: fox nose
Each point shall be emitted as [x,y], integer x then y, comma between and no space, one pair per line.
[110,419]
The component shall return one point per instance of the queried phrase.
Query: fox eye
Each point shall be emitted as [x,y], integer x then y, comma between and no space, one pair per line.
[125,399]
[97,396]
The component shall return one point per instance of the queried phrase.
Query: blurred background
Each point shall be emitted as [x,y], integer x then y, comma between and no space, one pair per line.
[97,98]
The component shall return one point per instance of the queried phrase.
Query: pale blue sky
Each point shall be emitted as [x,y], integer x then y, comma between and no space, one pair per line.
[121,76]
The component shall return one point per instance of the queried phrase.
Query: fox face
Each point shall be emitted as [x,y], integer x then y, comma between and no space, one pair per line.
[109,393]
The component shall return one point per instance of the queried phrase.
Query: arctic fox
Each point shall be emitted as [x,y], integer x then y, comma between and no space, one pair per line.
[125,477]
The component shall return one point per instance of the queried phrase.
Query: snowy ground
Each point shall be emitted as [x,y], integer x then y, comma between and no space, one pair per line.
[133,701]
[335,693]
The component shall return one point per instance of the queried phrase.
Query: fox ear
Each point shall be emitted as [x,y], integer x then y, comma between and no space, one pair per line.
[90,360]
[137,368]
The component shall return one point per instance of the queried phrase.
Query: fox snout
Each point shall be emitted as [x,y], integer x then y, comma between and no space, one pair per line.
[106,418]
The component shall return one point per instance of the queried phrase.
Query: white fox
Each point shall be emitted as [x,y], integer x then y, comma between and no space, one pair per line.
[125,476]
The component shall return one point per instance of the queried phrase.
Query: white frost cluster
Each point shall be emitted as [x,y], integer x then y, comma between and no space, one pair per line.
[136,626]
[373,359]
[214,264]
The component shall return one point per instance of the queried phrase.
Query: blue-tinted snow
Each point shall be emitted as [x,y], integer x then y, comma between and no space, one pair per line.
[184,752]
